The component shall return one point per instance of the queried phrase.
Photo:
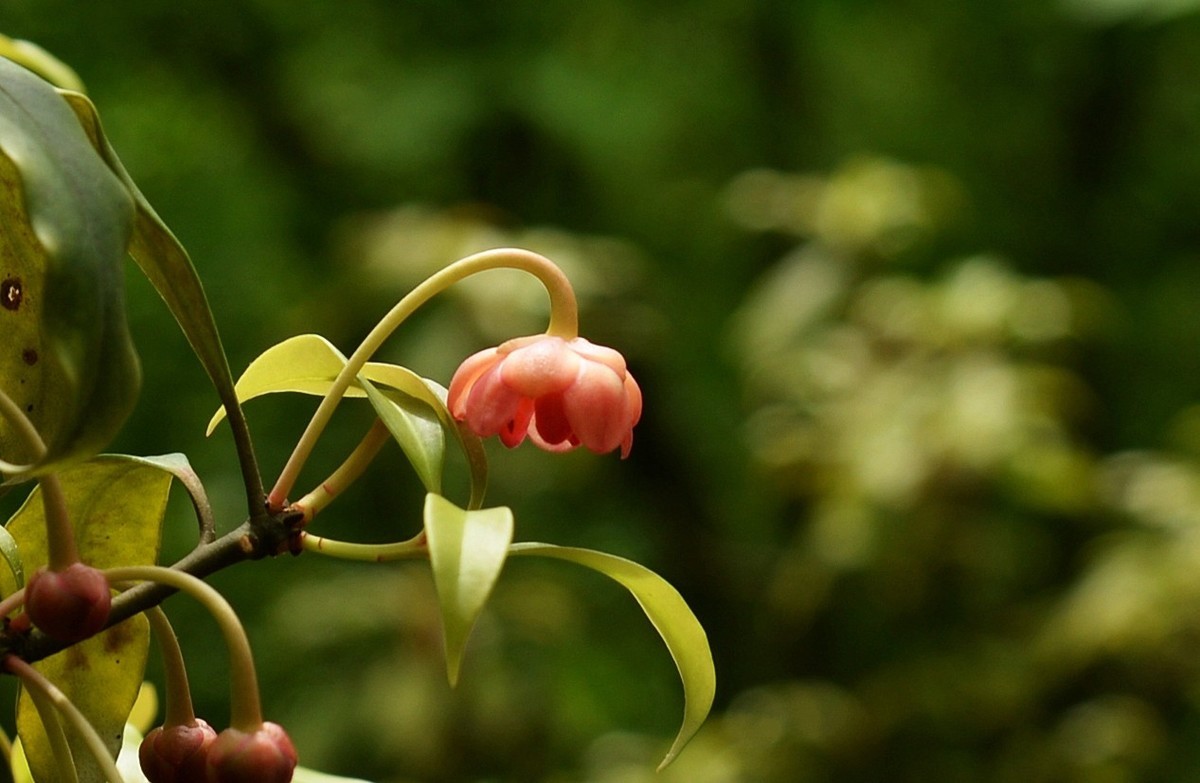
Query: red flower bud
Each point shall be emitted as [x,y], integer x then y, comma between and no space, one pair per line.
[561,393]
[70,604]
[265,756]
[177,754]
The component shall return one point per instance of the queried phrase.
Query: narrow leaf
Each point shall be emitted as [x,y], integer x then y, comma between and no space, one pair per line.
[671,617]
[117,506]
[12,558]
[67,221]
[467,550]
[416,428]
[163,260]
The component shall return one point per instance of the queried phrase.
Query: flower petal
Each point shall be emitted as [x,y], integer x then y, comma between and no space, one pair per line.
[596,408]
[599,353]
[491,406]
[512,433]
[550,420]
[465,377]
[541,367]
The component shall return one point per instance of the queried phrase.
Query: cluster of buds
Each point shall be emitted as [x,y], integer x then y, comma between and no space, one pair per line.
[194,753]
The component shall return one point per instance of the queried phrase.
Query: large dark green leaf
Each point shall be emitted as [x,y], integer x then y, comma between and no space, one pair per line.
[117,506]
[67,359]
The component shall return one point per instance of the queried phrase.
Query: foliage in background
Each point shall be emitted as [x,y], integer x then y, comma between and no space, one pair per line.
[924,461]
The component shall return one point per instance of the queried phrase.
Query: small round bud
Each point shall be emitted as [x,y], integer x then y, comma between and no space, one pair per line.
[70,604]
[264,756]
[177,754]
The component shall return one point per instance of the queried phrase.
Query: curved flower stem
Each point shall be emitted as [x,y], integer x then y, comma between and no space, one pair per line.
[178,697]
[564,322]
[411,549]
[358,461]
[32,679]
[24,429]
[245,707]
[11,602]
[60,536]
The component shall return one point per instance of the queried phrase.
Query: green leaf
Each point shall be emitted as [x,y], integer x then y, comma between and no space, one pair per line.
[163,260]
[671,617]
[181,469]
[467,550]
[434,395]
[309,363]
[67,222]
[416,428]
[306,363]
[41,62]
[12,557]
[117,506]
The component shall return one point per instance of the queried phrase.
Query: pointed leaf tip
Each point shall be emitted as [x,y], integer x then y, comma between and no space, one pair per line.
[467,550]
[671,617]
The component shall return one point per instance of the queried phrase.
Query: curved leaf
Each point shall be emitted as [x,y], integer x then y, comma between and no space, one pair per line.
[12,558]
[181,469]
[67,221]
[41,62]
[117,506]
[467,550]
[416,428]
[163,260]
[671,617]
[308,364]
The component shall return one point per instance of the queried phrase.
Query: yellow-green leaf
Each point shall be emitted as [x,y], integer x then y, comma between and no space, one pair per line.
[670,616]
[308,364]
[117,506]
[415,427]
[68,360]
[433,395]
[467,550]
[41,62]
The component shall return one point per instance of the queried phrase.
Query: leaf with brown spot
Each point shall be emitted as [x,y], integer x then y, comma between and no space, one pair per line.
[67,223]
[116,504]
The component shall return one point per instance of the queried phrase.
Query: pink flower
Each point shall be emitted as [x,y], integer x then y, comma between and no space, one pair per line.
[561,393]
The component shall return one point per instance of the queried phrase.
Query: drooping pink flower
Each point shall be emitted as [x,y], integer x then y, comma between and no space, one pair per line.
[561,393]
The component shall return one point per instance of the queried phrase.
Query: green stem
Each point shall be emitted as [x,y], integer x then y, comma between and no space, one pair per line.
[60,535]
[178,697]
[370,553]
[11,602]
[564,322]
[23,428]
[32,679]
[354,466]
[245,706]
[256,498]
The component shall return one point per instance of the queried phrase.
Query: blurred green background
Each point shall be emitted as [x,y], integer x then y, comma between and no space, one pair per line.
[910,288]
